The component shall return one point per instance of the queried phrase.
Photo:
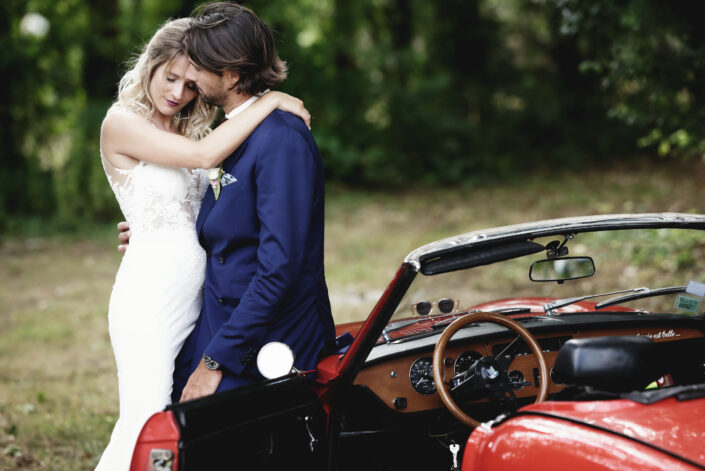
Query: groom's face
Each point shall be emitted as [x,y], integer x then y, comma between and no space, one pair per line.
[211,86]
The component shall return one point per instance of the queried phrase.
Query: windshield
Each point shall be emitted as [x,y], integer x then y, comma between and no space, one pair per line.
[625,262]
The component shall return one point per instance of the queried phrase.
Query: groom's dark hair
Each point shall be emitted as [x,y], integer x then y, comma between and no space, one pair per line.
[227,36]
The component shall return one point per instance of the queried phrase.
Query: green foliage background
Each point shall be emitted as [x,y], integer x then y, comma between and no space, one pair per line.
[402,92]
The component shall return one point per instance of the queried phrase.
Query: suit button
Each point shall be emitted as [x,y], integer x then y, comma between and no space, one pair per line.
[221,260]
[221,300]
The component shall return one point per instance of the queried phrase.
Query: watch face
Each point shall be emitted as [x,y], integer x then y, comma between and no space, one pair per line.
[210,363]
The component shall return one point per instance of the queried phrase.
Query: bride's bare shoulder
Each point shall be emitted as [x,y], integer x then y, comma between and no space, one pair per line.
[119,128]
[119,117]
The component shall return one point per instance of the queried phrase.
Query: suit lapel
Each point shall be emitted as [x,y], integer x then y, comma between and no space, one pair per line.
[234,158]
[209,198]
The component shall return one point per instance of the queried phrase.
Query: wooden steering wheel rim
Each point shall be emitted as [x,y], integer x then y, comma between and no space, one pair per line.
[439,351]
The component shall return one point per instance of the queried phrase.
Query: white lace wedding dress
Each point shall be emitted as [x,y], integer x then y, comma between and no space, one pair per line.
[157,294]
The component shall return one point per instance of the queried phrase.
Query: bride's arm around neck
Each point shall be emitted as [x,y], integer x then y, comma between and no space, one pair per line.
[127,137]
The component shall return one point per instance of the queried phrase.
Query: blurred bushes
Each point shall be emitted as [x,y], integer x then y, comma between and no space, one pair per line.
[402,92]
[649,58]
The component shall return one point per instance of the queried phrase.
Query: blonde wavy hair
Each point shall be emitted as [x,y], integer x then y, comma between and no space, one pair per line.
[194,119]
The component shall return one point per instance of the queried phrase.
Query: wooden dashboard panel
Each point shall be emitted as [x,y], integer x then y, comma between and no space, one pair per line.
[389,380]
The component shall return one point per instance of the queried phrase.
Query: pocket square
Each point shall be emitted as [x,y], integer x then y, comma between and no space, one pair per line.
[227,179]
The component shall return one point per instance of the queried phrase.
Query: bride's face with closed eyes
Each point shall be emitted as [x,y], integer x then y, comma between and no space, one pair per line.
[169,89]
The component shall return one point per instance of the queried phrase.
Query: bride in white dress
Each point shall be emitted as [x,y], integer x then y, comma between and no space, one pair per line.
[149,143]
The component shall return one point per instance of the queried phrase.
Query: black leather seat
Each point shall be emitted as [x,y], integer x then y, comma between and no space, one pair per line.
[614,364]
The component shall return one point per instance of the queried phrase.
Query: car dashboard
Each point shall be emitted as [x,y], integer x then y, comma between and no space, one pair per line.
[399,374]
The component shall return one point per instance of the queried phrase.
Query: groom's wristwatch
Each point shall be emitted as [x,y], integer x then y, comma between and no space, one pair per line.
[210,363]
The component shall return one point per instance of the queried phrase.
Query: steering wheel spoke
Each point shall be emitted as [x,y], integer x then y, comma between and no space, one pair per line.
[466,386]
[520,384]
[507,355]
[488,376]
[507,398]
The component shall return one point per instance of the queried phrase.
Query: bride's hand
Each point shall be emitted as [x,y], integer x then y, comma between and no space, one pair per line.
[292,105]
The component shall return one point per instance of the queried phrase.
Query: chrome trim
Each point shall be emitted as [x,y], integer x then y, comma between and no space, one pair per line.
[160,460]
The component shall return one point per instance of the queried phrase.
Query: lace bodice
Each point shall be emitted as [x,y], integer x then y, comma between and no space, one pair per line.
[154,197]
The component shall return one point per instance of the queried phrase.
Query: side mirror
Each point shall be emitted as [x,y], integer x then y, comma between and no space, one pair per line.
[561,269]
[275,360]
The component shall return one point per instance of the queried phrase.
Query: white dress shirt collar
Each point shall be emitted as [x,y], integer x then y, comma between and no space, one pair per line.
[243,106]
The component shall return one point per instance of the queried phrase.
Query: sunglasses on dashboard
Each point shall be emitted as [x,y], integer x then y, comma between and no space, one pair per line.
[444,306]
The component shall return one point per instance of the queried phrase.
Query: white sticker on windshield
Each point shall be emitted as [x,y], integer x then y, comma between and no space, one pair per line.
[698,289]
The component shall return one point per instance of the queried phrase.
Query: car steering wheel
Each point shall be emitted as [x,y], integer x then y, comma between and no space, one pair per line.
[489,374]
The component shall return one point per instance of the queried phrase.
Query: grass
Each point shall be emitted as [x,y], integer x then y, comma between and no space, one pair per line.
[58,391]
[57,381]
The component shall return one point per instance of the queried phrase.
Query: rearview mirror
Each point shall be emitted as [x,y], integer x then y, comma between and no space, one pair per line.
[275,360]
[561,269]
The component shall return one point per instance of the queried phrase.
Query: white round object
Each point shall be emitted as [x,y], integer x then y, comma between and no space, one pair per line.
[275,360]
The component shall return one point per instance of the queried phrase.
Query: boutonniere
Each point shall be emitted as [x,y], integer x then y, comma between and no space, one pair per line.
[214,175]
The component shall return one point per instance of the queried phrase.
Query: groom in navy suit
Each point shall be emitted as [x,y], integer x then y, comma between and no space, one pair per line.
[263,235]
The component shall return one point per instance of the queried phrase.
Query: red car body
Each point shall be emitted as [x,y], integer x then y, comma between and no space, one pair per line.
[619,434]
[604,433]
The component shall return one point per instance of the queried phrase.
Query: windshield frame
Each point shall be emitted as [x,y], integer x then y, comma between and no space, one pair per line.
[453,246]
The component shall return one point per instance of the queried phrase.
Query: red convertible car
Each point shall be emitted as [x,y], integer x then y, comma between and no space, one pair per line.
[569,344]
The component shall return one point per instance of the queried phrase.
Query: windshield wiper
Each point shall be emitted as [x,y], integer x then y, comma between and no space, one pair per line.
[510,311]
[391,327]
[644,294]
[551,307]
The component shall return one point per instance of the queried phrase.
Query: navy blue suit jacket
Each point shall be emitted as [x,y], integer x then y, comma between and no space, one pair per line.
[264,243]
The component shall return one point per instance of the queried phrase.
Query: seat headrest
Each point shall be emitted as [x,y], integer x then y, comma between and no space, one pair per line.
[614,364]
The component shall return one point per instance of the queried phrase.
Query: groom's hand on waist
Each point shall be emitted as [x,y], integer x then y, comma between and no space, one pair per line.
[202,382]
[123,236]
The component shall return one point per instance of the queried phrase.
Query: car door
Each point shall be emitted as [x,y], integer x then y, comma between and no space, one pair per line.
[267,425]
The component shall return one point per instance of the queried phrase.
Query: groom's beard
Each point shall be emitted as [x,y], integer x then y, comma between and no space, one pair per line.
[213,99]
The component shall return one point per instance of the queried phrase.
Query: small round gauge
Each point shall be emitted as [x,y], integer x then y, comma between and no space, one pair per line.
[465,360]
[516,377]
[421,376]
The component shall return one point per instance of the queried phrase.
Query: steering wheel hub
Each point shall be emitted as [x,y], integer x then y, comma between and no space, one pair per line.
[489,372]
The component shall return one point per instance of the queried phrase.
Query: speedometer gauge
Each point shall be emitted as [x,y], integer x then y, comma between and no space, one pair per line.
[465,360]
[421,376]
